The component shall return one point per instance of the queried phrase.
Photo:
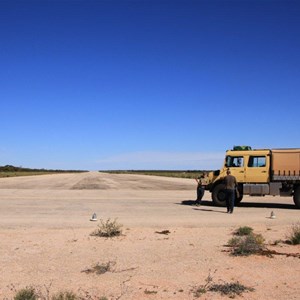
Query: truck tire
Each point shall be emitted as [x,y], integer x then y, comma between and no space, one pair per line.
[219,195]
[297,196]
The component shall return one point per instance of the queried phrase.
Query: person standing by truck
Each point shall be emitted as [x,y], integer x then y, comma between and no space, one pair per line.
[230,186]
[201,181]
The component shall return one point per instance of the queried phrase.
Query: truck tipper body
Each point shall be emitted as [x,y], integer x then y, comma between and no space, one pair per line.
[259,172]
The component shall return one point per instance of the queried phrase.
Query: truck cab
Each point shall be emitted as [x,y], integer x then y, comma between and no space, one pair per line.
[247,165]
[259,172]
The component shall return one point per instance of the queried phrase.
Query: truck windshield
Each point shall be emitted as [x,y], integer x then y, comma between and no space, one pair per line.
[234,161]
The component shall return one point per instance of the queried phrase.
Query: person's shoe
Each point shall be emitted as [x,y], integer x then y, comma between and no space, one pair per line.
[231,212]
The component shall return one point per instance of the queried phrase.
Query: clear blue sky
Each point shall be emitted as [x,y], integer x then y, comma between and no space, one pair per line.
[146,84]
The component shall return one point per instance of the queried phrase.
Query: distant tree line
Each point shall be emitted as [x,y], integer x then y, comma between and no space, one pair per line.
[10,168]
[167,173]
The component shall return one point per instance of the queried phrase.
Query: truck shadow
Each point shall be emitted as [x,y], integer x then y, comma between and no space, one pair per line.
[267,205]
[242,204]
[201,207]
[193,203]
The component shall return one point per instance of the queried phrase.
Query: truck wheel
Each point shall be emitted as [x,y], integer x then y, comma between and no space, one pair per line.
[219,195]
[297,196]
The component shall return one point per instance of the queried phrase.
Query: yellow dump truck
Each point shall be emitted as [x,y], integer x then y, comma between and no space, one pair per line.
[259,172]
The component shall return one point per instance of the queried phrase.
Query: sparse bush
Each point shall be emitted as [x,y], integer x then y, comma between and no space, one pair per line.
[249,244]
[230,289]
[35,293]
[202,289]
[27,293]
[294,236]
[65,296]
[246,242]
[233,242]
[108,229]
[100,268]
[147,292]
[199,291]
[245,230]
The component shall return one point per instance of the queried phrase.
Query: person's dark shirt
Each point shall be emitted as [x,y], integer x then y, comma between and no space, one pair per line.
[230,182]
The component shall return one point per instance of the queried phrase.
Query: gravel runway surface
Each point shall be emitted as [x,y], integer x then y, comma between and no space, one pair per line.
[46,239]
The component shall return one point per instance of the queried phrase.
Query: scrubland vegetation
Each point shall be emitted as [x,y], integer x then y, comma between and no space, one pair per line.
[12,171]
[108,229]
[166,173]
[244,243]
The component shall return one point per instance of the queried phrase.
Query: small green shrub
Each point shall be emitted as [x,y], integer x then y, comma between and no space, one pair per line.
[245,230]
[199,291]
[108,229]
[230,289]
[294,236]
[233,242]
[202,289]
[27,293]
[65,296]
[31,293]
[249,244]
[246,242]
[147,292]
[100,268]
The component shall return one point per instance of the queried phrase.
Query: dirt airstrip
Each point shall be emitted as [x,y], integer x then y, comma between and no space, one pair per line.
[46,242]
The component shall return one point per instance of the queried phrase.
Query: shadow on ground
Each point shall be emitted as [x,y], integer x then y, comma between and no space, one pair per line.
[243,204]
[202,206]
[193,203]
[267,205]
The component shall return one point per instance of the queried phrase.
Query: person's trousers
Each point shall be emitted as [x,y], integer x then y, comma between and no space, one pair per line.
[200,193]
[230,194]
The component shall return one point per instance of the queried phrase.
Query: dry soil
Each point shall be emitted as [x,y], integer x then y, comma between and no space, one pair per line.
[46,241]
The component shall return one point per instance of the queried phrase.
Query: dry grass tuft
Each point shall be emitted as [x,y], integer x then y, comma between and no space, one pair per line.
[65,296]
[28,293]
[100,268]
[244,230]
[245,242]
[231,289]
[108,229]
[294,235]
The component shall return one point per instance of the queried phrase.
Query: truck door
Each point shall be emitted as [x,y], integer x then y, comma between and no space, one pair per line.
[237,167]
[257,169]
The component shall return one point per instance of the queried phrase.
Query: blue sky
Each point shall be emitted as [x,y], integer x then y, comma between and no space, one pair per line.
[146,84]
